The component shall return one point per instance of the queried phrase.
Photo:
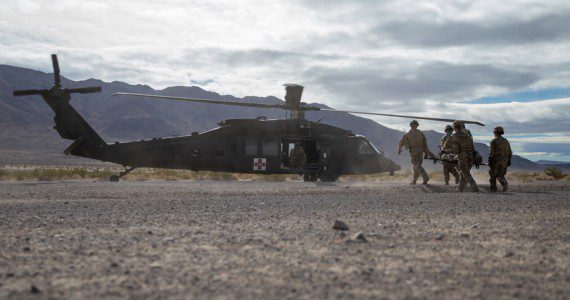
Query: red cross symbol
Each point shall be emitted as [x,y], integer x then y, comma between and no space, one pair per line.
[259,164]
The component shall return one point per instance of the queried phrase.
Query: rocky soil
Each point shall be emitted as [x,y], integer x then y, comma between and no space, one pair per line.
[80,239]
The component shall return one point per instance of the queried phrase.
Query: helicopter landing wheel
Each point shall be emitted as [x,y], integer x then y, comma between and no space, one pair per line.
[310,177]
[115,178]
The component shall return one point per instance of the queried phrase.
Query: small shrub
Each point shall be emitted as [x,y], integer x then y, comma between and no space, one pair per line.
[554,172]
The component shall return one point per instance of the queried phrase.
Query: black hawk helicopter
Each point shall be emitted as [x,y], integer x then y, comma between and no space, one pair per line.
[237,145]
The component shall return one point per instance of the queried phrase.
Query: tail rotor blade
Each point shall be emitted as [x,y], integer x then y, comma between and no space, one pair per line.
[85,90]
[29,92]
[55,64]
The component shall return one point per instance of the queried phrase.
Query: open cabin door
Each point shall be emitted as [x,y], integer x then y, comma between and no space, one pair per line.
[311,151]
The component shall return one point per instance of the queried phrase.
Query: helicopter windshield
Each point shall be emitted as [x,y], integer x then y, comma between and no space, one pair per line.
[365,147]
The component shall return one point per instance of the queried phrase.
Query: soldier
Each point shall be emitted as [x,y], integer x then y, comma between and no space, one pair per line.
[448,167]
[461,143]
[500,155]
[297,156]
[415,141]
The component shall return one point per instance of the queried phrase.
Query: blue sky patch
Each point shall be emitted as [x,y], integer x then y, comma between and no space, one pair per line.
[526,96]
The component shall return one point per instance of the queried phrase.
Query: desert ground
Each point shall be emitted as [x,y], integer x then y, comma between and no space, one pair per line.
[274,240]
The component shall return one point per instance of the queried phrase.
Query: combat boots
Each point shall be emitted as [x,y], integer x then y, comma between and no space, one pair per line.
[505,185]
[493,184]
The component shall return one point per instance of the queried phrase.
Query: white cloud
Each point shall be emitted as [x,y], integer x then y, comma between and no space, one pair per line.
[405,56]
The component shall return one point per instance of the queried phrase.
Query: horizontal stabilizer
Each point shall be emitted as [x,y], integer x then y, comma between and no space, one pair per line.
[73,145]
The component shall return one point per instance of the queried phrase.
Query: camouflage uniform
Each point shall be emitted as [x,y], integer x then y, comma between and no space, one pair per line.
[499,158]
[461,143]
[297,157]
[448,167]
[416,143]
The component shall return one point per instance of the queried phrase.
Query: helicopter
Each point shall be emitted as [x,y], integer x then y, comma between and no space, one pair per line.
[259,145]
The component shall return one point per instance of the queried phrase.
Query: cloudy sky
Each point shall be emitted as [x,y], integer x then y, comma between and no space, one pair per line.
[499,62]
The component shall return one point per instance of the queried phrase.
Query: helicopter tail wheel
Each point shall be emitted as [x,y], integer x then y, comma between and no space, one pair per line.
[115,178]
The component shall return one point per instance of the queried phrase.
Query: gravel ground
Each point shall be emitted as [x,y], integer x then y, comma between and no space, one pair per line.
[79,239]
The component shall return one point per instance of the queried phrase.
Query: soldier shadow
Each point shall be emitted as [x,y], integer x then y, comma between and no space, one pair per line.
[483,189]
[433,189]
[437,189]
[487,191]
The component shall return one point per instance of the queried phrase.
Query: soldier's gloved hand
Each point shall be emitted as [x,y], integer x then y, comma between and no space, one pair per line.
[477,167]
[435,161]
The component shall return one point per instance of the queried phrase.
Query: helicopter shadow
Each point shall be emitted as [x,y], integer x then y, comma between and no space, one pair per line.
[320,183]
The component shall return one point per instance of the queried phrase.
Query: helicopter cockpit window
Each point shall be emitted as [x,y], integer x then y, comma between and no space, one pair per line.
[364,147]
[250,147]
[270,148]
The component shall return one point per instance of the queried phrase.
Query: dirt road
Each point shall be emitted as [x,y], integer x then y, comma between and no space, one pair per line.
[274,240]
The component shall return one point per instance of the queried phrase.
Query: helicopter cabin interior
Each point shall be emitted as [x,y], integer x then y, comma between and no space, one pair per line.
[275,154]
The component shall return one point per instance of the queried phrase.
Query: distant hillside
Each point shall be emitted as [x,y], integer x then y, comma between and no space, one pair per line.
[562,165]
[26,133]
[551,162]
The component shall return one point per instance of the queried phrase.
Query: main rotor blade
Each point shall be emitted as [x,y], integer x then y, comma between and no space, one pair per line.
[402,116]
[244,104]
[55,64]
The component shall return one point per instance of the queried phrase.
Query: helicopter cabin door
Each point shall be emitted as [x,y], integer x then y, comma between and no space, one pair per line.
[292,149]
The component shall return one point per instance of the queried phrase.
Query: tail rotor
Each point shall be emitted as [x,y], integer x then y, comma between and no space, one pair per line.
[57,88]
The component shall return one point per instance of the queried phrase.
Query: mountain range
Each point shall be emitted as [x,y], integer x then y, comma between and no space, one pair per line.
[26,134]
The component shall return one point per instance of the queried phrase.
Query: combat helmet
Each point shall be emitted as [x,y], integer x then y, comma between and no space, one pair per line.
[448,128]
[414,123]
[499,130]
[457,124]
